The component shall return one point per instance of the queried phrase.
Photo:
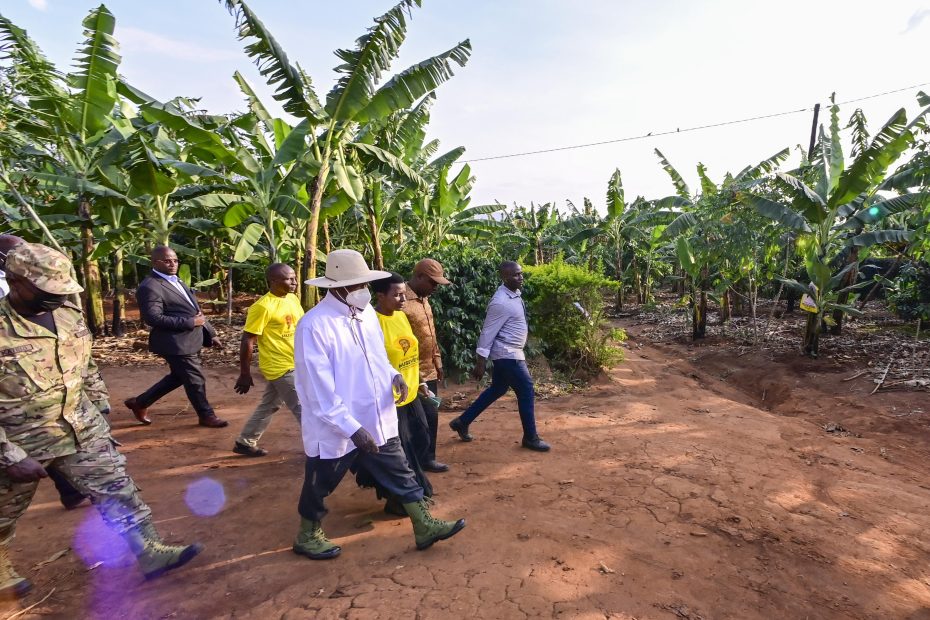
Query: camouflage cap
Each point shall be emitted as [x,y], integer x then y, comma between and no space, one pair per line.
[49,270]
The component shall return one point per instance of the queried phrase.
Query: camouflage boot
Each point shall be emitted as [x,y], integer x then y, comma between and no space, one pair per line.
[11,584]
[154,556]
[426,528]
[312,542]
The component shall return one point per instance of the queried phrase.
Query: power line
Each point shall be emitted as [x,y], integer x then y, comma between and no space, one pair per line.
[686,129]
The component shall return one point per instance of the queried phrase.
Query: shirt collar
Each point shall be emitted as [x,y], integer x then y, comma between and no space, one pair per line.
[166,276]
[412,294]
[511,294]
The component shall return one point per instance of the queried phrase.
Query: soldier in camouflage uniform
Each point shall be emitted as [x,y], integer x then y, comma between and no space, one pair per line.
[50,400]
[70,497]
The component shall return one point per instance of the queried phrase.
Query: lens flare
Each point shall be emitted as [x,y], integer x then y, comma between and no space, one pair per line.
[874,211]
[96,544]
[205,497]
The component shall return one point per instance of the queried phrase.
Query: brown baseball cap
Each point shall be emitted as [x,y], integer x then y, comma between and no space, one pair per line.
[432,269]
[49,270]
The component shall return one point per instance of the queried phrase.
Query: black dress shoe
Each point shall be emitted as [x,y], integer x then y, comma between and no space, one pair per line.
[244,450]
[461,428]
[535,443]
[435,467]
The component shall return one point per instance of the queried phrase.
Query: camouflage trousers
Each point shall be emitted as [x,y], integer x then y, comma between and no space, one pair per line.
[98,471]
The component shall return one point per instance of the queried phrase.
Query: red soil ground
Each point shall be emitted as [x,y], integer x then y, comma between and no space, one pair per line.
[688,483]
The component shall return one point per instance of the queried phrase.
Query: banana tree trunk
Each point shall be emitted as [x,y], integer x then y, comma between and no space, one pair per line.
[317,186]
[812,334]
[229,296]
[698,313]
[848,280]
[619,266]
[374,205]
[725,306]
[119,297]
[96,320]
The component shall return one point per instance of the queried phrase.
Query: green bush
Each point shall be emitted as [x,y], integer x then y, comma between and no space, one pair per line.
[566,312]
[459,309]
[910,295]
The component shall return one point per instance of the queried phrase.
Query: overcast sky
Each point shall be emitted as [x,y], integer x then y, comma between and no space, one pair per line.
[553,73]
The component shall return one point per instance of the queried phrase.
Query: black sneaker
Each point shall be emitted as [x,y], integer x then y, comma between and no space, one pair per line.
[536,444]
[244,450]
[461,428]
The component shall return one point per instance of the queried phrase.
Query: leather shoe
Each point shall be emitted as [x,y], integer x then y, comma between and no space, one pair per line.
[141,413]
[435,467]
[211,421]
[535,443]
[461,428]
[244,450]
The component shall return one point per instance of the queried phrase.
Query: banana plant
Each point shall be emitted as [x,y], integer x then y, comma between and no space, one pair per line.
[356,99]
[70,126]
[832,215]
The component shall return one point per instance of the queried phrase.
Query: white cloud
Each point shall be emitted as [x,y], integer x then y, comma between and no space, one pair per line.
[138,40]
[39,5]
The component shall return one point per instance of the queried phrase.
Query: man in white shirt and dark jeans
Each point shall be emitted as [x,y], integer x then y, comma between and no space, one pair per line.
[502,340]
[348,389]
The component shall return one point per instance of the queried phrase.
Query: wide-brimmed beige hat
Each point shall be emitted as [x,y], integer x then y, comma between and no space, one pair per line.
[345,268]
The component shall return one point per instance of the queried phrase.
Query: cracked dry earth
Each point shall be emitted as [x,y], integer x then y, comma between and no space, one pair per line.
[669,493]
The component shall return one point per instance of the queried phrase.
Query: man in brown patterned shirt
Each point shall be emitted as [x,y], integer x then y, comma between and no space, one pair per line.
[427,277]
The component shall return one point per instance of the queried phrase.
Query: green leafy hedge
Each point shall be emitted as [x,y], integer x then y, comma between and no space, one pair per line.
[566,312]
[459,309]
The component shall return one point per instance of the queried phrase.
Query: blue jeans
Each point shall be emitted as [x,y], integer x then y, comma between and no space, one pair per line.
[508,374]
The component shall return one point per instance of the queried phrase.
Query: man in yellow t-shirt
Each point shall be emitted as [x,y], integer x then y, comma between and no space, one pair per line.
[271,322]
[403,351]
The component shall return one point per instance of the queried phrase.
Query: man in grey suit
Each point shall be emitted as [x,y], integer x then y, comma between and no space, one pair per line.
[179,331]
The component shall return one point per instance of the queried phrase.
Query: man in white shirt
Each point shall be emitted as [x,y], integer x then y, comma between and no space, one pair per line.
[347,391]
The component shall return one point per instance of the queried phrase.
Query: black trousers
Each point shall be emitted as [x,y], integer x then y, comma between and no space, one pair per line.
[432,419]
[186,371]
[414,441]
[388,467]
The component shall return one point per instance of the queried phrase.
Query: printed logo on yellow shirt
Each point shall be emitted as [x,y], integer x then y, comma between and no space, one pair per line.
[404,344]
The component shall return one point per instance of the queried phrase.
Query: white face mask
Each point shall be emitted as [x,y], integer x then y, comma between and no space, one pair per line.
[359,299]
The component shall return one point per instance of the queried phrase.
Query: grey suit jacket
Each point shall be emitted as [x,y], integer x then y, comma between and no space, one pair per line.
[171,318]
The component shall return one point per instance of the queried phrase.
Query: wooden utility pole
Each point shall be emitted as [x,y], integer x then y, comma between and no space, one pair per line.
[810,149]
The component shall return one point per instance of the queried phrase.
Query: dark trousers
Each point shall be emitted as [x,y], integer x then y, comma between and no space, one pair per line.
[413,433]
[432,419]
[508,374]
[388,467]
[66,490]
[186,371]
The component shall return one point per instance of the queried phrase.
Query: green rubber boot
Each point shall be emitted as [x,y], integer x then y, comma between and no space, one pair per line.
[155,558]
[312,542]
[11,584]
[427,529]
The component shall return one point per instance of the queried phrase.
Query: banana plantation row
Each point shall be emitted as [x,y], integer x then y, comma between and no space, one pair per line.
[103,171]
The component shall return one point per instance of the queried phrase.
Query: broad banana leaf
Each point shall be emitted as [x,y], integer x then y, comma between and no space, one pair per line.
[245,246]
[95,76]
[362,67]
[777,211]
[294,89]
[408,86]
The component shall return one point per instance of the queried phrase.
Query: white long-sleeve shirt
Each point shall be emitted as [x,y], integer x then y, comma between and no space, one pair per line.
[344,379]
[504,333]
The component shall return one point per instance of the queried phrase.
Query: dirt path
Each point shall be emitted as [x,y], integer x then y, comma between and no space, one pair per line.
[666,495]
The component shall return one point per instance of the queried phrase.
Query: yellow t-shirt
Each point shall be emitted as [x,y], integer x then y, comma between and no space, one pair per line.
[274,320]
[403,350]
